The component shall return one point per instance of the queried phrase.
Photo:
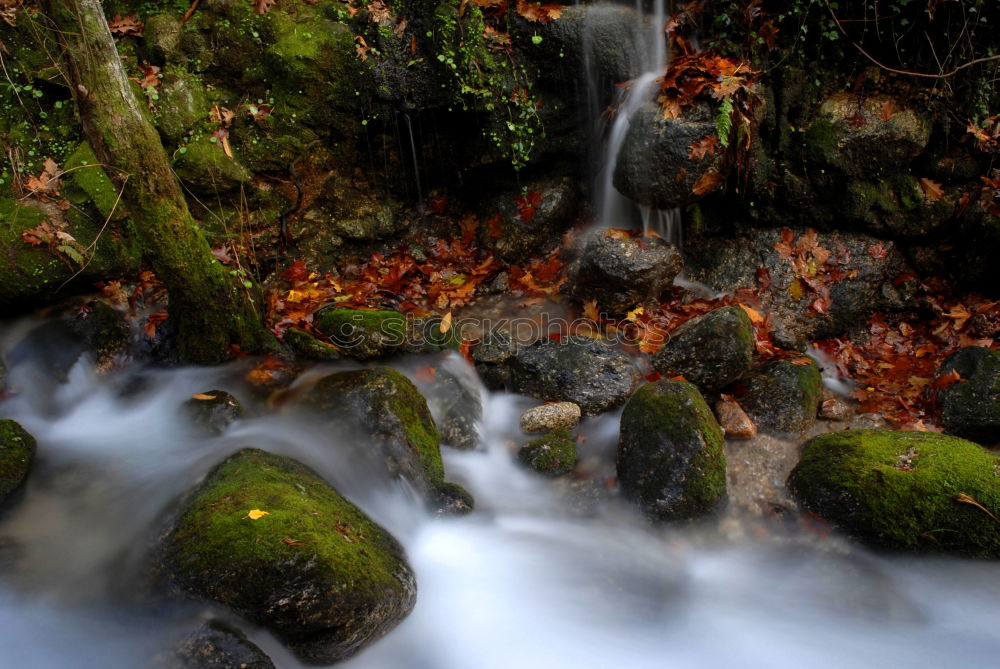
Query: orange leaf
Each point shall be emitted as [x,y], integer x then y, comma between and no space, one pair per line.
[754,315]
[707,182]
[703,147]
[932,190]
[202,396]
[946,380]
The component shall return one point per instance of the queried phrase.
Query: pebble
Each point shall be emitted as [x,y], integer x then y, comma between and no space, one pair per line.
[550,417]
[734,420]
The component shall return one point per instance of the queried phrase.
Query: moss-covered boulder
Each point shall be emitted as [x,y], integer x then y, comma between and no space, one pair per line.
[308,346]
[183,104]
[711,350]
[162,38]
[363,335]
[206,169]
[212,412]
[513,237]
[456,405]
[970,408]
[314,569]
[904,490]
[216,645]
[577,369]
[87,181]
[17,449]
[671,460]
[553,454]
[619,273]
[784,395]
[397,429]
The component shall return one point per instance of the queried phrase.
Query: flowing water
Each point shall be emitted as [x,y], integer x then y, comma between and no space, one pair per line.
[533,578]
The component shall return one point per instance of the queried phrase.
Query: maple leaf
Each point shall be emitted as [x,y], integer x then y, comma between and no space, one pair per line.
[590,311]
[221,115]
[153,322]
[754,315]
[46,184]
[537,13]
[946,380]
[150,77]
[380,13]
[362,49]
[256,514]
[495,226]
[931,189]
[877,251]
[707,182]
[887,109]
[959,314]
[527,204]
[703,147]
[262,6]
[126,26]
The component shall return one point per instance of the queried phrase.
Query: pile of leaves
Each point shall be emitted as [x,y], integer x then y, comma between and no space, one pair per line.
[448,276]
[895,363]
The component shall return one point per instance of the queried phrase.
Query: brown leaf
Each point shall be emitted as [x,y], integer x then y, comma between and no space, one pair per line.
[262,6]
[887,110]
[946,380]
[932,190]
[707,182]
[703,147]
[125,26]
[965,499]
[877,251]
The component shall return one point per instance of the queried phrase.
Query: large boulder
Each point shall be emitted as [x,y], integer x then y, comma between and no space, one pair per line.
[864,136]
[205,168]
[783,267]
[386,407]
[522,223]
[620,272]
[671,459]
[366,335]
[783,396]
[264,536]
[711,350]
[970,408]
[576,369]
[601,37]
[903,490]
[17,450]
[654,166]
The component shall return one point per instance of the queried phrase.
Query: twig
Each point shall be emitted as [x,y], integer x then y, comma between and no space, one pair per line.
[190,11]
[906,72]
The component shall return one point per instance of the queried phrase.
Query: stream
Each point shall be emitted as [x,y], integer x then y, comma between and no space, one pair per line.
[532,578]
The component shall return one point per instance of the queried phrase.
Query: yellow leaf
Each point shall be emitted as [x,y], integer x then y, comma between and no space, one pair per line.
[754,315]
[256,514]
[631,316]
[796,290]
[445,323]
[202,396]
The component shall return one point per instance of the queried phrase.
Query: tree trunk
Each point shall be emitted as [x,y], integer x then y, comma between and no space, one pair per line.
[212,310]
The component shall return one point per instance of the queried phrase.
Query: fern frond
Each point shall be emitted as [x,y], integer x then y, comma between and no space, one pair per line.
[724,122]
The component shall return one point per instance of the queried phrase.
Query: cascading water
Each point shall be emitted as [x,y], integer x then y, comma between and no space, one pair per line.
[613,208]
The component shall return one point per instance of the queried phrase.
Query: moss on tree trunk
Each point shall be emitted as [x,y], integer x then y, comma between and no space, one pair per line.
[212,310]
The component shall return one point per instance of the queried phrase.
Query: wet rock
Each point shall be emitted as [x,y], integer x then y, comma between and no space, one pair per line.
[217,645]
[859,136]
[906,490]
[654,167]
[183,104]
[212,412]
[457,408]
[423,335]
[710,351]
[513,238]
[860,275]
[550,417]
[602,35]
[970,408]
[621,273]
[17,450]
[315,570]
[496,348]
[363,335]
[834,408]
[387,408]
[205,168]
[784,395]
[552,455]
[577,369]
[161,35]
[3,377]
[734,421]
[671,460]
[307,346]
[352,213]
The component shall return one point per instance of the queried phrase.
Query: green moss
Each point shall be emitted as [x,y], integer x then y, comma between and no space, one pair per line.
[820,140]
[411,408]
[553,454]
[17,449]
[88,176]
[900,489]
[309,347]
[363,334]
[205,167]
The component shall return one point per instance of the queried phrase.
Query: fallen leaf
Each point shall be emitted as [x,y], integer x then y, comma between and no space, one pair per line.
[965,499]
[754,315]
[256,514]
[202,396]
[294,542]
[445,323]
[932,190]
[707,182]
[946,380]
[877,251]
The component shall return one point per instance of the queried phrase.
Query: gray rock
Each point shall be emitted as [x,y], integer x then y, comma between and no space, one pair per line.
[385,406]
[217,645]
[162,37]
[602,35]
[971,408]
[653,165]
[621,273]
[213,412]
[710,351]
[17,450]
[518,238]
[671,457]
[577,369]
[552,455]
[860,275]
[181,106]
[784,396]
[490,355]
[550,417]
[457,408]
[313,569]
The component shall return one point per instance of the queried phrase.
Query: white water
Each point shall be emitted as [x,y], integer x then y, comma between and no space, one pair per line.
[525,581]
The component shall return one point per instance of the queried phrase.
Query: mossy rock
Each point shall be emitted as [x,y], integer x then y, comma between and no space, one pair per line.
[553,454]
[212,412]
[307,346]
[161,36]
[363,335]
[315,571]
[671,460]
[396,427]
[913,491]
[971,408]
[183,105]
[205,168]
[896,206]
[456,406]
[17,450]
[711,350]
[783,395]
[84,172]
